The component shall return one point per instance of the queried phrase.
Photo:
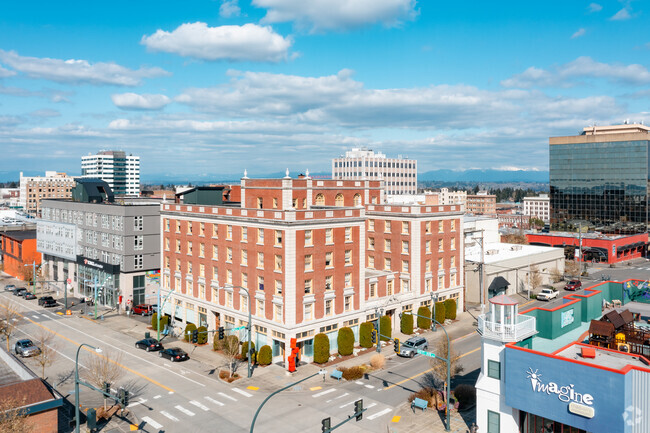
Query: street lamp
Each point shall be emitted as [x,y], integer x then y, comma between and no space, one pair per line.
[76,382]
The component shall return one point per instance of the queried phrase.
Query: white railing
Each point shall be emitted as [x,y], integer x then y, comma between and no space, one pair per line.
[524,328]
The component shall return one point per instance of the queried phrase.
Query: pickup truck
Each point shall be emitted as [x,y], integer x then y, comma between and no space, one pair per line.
[547,295]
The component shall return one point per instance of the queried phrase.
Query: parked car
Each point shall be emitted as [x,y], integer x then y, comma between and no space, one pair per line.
[26,348]
[143,309]
[29,296]
[149,344]
[9,288]
[411,346]
[49,303]
[174,354]
[43,299]
[547,295]
[573,285]
[19,291]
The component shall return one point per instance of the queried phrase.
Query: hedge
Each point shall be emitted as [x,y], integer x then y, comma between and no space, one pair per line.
[385,328]
[321,348]
[345,340]
[203,334]
[406,324]
[244,350]
[188,331]
[216,343]
[164,320]
[423,314]
[265,355]
[450,309]
[440,312]
[365,329]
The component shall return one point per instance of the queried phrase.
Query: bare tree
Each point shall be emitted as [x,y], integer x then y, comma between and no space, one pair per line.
[439,367]
[572,268]
[230,349]
[534,277]
[48,353]
[104,368]
[556,275]
[13,415]
[9,317]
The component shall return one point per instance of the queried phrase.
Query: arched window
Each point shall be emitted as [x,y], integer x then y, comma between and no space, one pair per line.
[320,200]
[357,200]
[339,200]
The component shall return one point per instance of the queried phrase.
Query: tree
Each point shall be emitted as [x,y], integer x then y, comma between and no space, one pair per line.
[365,329]
[230,349]
[48,353]
[104,368]
[572,268]
[244,350]
[321,348]
[13,415]
[345,341]
[9,317]
[386,328]
[439,367]
[556,275]
[424,317]
[188,331]
[535,222]
[534,277]
[203,334]
[406,324]
[515,238]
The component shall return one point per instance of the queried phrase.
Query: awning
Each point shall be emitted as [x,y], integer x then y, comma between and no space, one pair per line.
[598,250]
[497,284]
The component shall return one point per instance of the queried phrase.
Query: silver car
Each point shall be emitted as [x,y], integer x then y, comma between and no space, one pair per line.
[411,346]
[26,348]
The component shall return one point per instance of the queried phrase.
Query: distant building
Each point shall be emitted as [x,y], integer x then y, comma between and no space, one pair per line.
[33,189]
[18,249]
[538,207]
[119,170]
[400,175]
[481,204]
[600,178]
[451,197]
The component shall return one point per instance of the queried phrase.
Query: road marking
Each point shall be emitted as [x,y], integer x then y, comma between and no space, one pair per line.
[152,423]
[253,388]
[340,396]
[346,404]
[315,388]
[242,392]
[59,352]
[371,405]
[211,400]
[156,397]
[381,413]
[369,386]
[135,403]
[426,371]
[185,411]
[358,382]
[227,396]
[199,405]
[327,391]
[168,415]
[396,418]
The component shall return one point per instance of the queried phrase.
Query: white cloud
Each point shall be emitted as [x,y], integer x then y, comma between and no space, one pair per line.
[4,73]
[623,14]
[582,67]
[52,95]
[580,32]
[45,113]
[338,14]
[249,42]
[134,101]
[594,7]
[229,8]
[78,71]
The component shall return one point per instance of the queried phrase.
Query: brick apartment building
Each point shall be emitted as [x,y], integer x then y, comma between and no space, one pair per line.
[481,204]
[315,255]
[36,188]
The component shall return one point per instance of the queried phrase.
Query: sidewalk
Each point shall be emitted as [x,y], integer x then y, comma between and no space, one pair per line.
[405,420]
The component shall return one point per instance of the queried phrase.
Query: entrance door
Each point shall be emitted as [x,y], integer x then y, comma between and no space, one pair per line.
[278,351]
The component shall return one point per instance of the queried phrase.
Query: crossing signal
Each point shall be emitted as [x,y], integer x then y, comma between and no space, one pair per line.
[396,345]
[326,424]
[195,336]
[221,333]
[358,409]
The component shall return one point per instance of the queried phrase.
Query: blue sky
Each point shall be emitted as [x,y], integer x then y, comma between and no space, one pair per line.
[202,89]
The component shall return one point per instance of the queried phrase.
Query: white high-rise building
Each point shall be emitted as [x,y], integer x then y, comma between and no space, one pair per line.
[400,175]
[115,167]
[538,207]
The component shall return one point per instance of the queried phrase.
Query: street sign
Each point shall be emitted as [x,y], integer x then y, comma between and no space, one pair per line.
[422,352]
[237,328]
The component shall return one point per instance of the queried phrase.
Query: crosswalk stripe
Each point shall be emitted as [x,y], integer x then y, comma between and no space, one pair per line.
[371,405]
[211,400]
[244,393]
[369,386]
[346,404]
[151,422]
[380,413]
[168,415]
[199,405]
[156,397]
[185,411]
[227,396]
[336,398]
[327,391]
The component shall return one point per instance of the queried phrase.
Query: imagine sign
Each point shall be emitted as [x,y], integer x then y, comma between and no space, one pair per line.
[567,318]
[565,393]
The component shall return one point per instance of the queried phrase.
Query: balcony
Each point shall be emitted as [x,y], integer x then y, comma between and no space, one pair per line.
[493,329]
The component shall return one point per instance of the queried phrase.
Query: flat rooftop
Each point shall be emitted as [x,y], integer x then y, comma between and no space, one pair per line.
[498,251]
[608,237]
[604,358]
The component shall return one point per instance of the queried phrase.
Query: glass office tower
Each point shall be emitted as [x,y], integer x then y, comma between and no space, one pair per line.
[600,179]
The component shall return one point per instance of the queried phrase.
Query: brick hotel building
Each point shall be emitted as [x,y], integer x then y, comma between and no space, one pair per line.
[315,255]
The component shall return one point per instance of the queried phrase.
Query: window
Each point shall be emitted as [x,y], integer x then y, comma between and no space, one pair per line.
[243,303]
[328,259]
[308,285]
[308,238]
[229,233]
[244,279]
[453,280]
[215,273]
[202,229]
[441,281]
[348,234]
[215,252]
[440,265]
[494,369]
[427,284]
[328,282]
[440,230]
[137,259]
[427,227]
[357,200]
[275,203]
[308,311]
[405,247]
[453,243]
[260,203]
[202,250]
[166,244]
[348,279]
[387,245]
[229,276]
[278,237]
[244,257]
[294,203]
[328,236]
[260,260]
[348,257]
[278,287]
[347,305]
[166,224]
[371,243]
[229,297]
[328,307]
[427,266]
[178,265]
[338,201]
[405,265]
[371,262]
[202,270]
[494,422]
[229,255]
[387,227]
[277,313]
[215,231]
[440,248]
[371,225]
[373,290]
[244,234]
[387,264]
[189,248]
[260,283]
[405,227]
[453,225]
[278,262]
[453,261]
[405,286]
[201,291]
[308,264]
[260,308]
[138,223]
[427,246]
[167,262]
[178,226]
[389,288]
[260,236]
[189,286]
[320,200]
[189,227]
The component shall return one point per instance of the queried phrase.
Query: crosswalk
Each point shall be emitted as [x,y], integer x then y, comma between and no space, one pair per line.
[345,399]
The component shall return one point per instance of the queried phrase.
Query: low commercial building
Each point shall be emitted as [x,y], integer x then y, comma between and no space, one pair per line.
[18,250]
[33,189]
[546,370]
[481,204]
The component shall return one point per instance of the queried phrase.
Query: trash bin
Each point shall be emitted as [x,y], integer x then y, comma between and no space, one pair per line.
[147,334]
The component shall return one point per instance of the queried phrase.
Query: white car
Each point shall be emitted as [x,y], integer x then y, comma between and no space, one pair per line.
[547,295]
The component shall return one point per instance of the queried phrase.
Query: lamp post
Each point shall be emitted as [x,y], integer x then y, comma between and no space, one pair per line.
[434,299]
[448,384]
[33,265]
[76,383]
[248,326]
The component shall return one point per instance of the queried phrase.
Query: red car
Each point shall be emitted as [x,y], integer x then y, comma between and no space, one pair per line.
[573,285]
[143,309]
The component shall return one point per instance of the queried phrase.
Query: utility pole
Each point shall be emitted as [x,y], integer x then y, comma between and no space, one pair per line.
[33,265]
[580,250]
[379,312]
[481,265]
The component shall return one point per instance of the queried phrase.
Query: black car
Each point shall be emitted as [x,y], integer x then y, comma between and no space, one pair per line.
[174,354]
[50,303]
[149,344]
[29,296]
[43,299]
[20,291]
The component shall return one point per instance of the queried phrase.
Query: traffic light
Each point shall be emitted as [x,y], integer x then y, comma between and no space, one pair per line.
[221,333]
[326,424]
[358,409]
[396,344]
[195,336]
[373,336]
[107,388]
[126,398]
[121,397]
